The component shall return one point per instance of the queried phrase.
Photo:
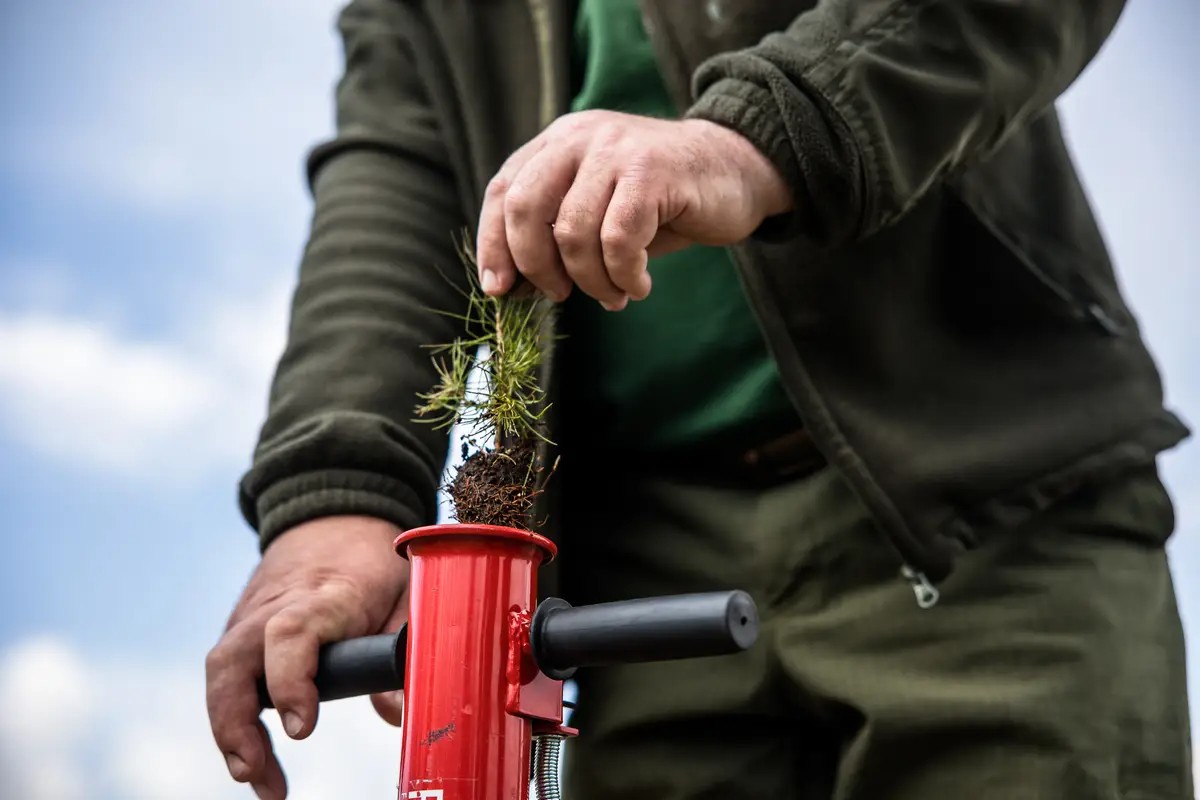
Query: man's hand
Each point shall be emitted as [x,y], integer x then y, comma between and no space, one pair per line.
[323,581]
[594,196]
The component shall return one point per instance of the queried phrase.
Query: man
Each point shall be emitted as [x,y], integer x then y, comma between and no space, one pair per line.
[842,331]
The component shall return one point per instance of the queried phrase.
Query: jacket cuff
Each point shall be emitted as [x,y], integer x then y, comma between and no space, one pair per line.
[813,155]
[751,111]
[327,493]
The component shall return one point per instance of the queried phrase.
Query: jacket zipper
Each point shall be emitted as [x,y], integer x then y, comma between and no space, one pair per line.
[548,110]
[926,593]
[924,590]
[539,11]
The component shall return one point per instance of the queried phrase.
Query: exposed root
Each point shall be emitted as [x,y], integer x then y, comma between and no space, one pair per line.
[497,487]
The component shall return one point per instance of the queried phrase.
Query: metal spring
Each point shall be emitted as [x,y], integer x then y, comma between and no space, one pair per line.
[547,751]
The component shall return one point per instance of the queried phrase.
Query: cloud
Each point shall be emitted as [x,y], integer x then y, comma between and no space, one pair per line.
[44,702]
[81,390]
[182,108]
[77,388]
[72,727]
[198,112]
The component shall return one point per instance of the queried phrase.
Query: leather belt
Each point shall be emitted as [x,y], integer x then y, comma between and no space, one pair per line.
[788,457]
[776,461]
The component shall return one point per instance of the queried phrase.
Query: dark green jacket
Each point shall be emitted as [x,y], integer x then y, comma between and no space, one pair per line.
[941,304]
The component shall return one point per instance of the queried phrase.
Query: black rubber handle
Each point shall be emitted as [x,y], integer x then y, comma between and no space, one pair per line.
[632,631]
[356,667]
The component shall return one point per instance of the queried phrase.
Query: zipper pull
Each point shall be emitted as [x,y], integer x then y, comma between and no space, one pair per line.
[1103,319]
[927,594]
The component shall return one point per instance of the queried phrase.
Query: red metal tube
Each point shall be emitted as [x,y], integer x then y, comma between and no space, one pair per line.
[472,590]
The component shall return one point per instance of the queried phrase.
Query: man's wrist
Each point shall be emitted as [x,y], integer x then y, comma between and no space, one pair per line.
[769,192]
[775,196]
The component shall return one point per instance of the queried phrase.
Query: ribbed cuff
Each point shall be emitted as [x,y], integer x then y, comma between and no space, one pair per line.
[328,493]
[808,143]
[752,112]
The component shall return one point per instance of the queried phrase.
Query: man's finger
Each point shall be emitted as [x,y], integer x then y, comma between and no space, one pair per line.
[292,641]
[497,269]
[631,223]
[271,783]
[530,210]
[232,668]
[390,705]
[577,233]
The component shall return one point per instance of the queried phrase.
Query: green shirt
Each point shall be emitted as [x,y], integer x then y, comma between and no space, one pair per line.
[687,366]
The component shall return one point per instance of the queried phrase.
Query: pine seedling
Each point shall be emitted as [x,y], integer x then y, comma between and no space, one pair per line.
[495,486]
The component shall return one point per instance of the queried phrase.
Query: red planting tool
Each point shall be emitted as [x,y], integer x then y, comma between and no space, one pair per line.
[482,664]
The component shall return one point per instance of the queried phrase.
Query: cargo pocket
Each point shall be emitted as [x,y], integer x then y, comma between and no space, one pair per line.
[1119,527]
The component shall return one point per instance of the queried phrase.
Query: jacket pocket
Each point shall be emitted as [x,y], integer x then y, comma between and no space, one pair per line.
[1008,276]
[1025,206]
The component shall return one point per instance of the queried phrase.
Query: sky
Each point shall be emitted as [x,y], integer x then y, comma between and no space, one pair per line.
[152,212]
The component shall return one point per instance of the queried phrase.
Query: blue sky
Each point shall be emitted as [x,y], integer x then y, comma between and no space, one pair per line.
[151,217]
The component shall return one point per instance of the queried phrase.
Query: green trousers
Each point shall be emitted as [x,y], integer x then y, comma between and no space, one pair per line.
[1051,668]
